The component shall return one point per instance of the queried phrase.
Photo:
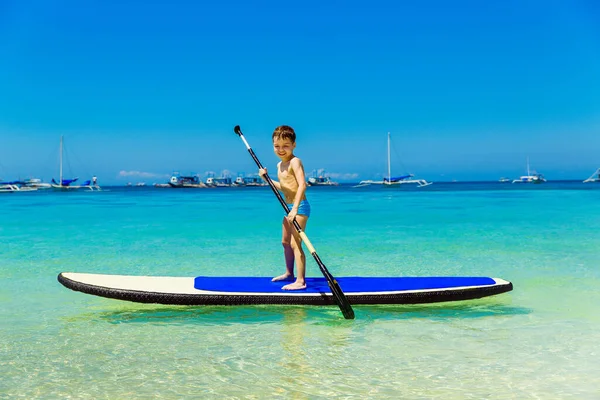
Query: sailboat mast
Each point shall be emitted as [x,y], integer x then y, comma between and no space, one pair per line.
[389,167]
[61,162]
[528,174]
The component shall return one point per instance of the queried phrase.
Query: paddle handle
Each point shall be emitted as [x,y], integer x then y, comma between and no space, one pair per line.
[238,131]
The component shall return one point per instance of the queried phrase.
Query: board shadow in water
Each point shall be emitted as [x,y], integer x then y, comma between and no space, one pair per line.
[227,315]
[444,312]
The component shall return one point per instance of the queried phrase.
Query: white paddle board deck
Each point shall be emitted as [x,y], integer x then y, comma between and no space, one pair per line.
[204,290]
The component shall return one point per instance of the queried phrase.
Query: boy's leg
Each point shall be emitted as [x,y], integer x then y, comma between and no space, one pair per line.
[299,256]
[288,252]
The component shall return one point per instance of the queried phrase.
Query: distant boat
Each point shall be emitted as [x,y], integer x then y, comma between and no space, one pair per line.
[254,181]
[320,179]
[249,181]
[185,182]
[6,187]
[594,178]
[531,177]
[36,183]
[219,182]
[67,184]
[504,180]
[27,185]
[394,180]
[15,186]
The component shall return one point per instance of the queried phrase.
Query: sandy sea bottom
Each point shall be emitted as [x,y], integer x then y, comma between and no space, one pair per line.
[539,341]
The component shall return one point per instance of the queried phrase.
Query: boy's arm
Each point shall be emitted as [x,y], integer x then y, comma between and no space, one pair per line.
[262,172]
[298,169]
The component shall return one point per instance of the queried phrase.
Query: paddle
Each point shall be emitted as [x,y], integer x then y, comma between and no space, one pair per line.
[336,290]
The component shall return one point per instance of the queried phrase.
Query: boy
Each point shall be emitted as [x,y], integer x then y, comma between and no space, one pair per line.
[292,184]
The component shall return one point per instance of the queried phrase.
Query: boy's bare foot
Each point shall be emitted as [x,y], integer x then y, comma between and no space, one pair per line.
[284,277]
[295,286]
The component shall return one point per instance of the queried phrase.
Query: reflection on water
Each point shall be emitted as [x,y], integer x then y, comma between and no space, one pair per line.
[208,315]
[294,363]
[295,315]
[437,312]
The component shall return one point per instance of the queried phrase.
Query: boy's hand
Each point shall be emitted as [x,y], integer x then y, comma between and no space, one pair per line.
[292,215]
[262,172]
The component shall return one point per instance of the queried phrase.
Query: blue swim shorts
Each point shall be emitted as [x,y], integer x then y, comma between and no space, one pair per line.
[303,208]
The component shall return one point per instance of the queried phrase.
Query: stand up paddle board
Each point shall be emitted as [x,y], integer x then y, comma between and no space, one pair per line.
[231,291]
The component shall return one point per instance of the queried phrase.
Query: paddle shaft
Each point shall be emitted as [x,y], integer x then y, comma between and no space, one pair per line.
[336,290]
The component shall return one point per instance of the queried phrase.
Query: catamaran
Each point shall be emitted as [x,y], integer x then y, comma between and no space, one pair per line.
[531,177]
[67,184]
[594,178]
[394,180]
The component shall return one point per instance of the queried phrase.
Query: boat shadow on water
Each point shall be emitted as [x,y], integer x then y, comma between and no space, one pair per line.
[269,314]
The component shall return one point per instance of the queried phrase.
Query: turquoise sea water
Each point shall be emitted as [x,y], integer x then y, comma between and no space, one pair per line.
[538,341]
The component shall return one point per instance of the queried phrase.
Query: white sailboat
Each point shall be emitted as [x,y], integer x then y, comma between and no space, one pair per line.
[531,177]
[395,180]
[594,178]
[67,184]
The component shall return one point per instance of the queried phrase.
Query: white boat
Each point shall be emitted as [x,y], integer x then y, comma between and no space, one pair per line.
[36,183]
[67,184]
[531,177]
[8,188]
[249,181]
[594,178]
[17,186]
[219,182]
[395,180]
[185,182]
[320,179]
[504,180]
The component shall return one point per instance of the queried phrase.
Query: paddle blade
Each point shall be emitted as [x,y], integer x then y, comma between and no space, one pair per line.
[340,299]
[237,130]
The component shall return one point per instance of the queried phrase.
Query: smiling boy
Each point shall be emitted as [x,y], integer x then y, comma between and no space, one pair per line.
[292,184]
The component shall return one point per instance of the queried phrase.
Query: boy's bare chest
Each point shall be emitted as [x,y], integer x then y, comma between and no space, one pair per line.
[284,171]
[287,179]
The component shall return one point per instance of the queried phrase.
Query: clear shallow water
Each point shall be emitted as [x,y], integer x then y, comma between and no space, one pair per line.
[539,341]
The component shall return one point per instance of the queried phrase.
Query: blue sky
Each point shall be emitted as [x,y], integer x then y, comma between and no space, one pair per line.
[139,89]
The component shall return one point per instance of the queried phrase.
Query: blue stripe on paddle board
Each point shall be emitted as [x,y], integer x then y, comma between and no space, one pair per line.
[348,284]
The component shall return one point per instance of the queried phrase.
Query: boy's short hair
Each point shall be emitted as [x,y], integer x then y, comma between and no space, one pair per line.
[284,132]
